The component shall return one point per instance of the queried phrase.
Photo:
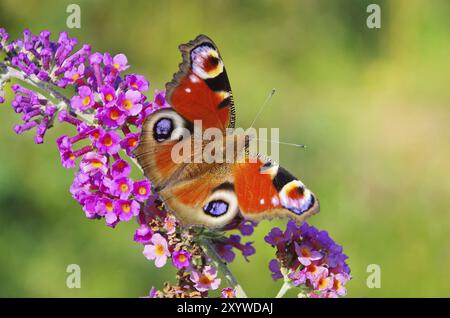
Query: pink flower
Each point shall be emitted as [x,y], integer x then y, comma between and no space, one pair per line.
[157,250]
[84,100]
[108,95]
[143,234]
[108,143]
[141,190]
[207,280]
[112,117]
[120,62]
[92,163]
[338,283]
[314,273]
[228,292]
[306,254]
[130,102]
[126,209]
[120,168]
[170,223]
[122,187]
[323,283]
[105,206]
[75,74]
[129,143]
[137,82]
[181,259]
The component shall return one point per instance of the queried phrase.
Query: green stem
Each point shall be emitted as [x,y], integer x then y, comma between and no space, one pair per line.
[284,289]
[209,250]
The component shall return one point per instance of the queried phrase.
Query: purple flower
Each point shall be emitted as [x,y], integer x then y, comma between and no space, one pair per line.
[310,258]
[92,163]
[205,280]
[306,254]
[120,168]
[274,267]
[119,62]
[109,143]
[275,237]
[143,234]
[108,95]
[141,190]
[105,206]
[170,224]
[160,99]
[157,250]
[228,292]
[112,117]
[73,75]
[181,259]
[84,100]
[225,251]
[298,278]
[129,102]
[126,209]
[338,283]
[129,143]
[137,82]
[121,187]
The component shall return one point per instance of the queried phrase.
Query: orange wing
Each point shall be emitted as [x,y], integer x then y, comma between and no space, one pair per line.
[266,190]
[201,90]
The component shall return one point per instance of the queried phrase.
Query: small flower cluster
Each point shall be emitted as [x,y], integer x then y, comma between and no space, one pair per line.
[114,103]
[310,258]
[160,234]
[37,112]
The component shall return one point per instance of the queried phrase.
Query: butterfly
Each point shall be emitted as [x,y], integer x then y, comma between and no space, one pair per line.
[212,193]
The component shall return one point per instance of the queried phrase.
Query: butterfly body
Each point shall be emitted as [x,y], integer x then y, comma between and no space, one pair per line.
[210,178]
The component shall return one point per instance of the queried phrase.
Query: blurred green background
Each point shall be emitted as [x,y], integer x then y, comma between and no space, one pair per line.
[373,106]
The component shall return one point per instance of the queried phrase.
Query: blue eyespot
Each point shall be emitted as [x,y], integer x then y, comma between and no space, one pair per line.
[162,129]
[216,208]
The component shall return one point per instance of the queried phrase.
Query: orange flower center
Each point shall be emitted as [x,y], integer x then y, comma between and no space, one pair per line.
[127,104]
[116,65]
[323,282]
[114,114]
[72,156]
[75,77]
[120,165]
[134,85]
[97,163]
[126,207]
[142,191]
[109,97]
[159,250]
[86,101]
[182,258]
[124,187]
[205,280]
[132,142]
[312,268]
[109,206]
[107,141]
[336,284]
[305,252]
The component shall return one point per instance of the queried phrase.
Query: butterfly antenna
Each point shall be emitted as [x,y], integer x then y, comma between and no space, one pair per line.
[269,97]
[282,143]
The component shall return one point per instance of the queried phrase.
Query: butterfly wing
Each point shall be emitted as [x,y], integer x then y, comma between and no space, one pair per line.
[256,190]
[266,190]
[200,90]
